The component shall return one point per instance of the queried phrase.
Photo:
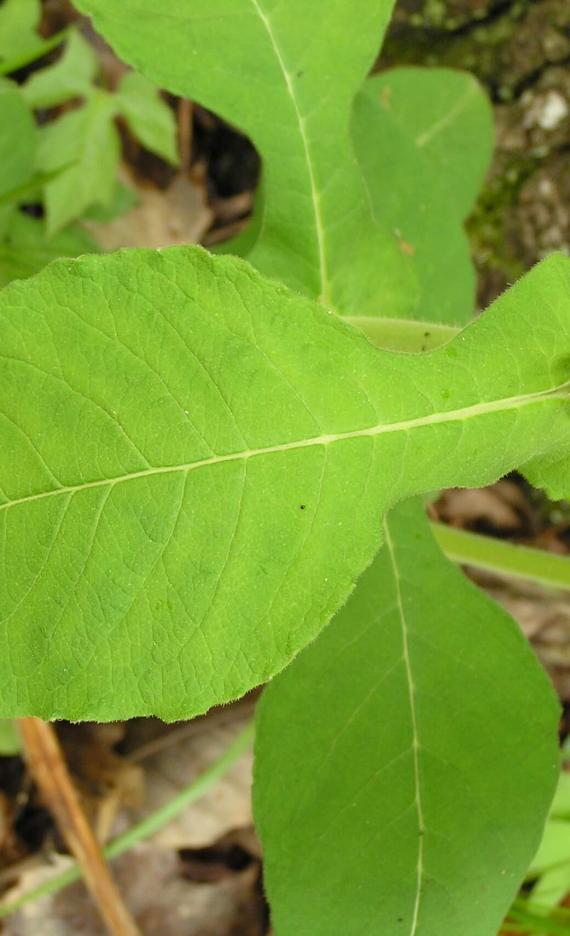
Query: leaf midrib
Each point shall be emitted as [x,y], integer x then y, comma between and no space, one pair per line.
[315,196]
[561,392]
[418,803]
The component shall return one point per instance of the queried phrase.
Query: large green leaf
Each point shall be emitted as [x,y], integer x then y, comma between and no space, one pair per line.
[290,82]
[194,462]
[274,69]
[403,782]
[424,140]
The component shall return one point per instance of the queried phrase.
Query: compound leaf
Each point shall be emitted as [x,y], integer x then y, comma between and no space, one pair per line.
[408,773]
[194,462]
[71,76]
[82,147]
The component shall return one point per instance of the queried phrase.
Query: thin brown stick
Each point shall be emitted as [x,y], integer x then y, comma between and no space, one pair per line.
[185,133]
[49,769]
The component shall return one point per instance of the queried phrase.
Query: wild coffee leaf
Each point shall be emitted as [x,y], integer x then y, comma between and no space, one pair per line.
[194,463]
[392,756]
[284,83]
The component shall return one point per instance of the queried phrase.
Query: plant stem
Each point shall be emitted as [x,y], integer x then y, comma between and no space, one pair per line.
[49,769]
[485,552]
[146,827]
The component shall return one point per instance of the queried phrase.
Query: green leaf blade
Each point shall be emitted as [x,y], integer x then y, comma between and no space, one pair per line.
[392,775]
[148,116]
[318,234]
[18,146]
[71,76]
[19,20]
[84,144]
[424,140]
[183,437]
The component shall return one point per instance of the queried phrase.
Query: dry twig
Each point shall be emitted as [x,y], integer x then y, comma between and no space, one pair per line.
[47,764]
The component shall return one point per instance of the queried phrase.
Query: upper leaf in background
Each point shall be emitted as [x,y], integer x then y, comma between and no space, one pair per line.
[424,140]
[386,797]
[289,82]
[194,462]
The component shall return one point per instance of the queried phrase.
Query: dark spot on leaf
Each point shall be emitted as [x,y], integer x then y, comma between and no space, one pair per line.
[300,73]
[302,506]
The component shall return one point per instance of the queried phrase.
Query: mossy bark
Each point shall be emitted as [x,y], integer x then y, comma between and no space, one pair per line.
[520,50]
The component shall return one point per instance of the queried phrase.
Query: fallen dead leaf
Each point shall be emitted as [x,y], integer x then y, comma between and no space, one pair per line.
[178,215]
[105,780]
[501,507]
[182,755]
[160,896]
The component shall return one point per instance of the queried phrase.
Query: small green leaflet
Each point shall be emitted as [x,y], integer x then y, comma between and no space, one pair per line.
[19,38]
[417,804]
[10,743]
[194,463]
[147,116]
[70,77]
[17,140]
[83,148]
